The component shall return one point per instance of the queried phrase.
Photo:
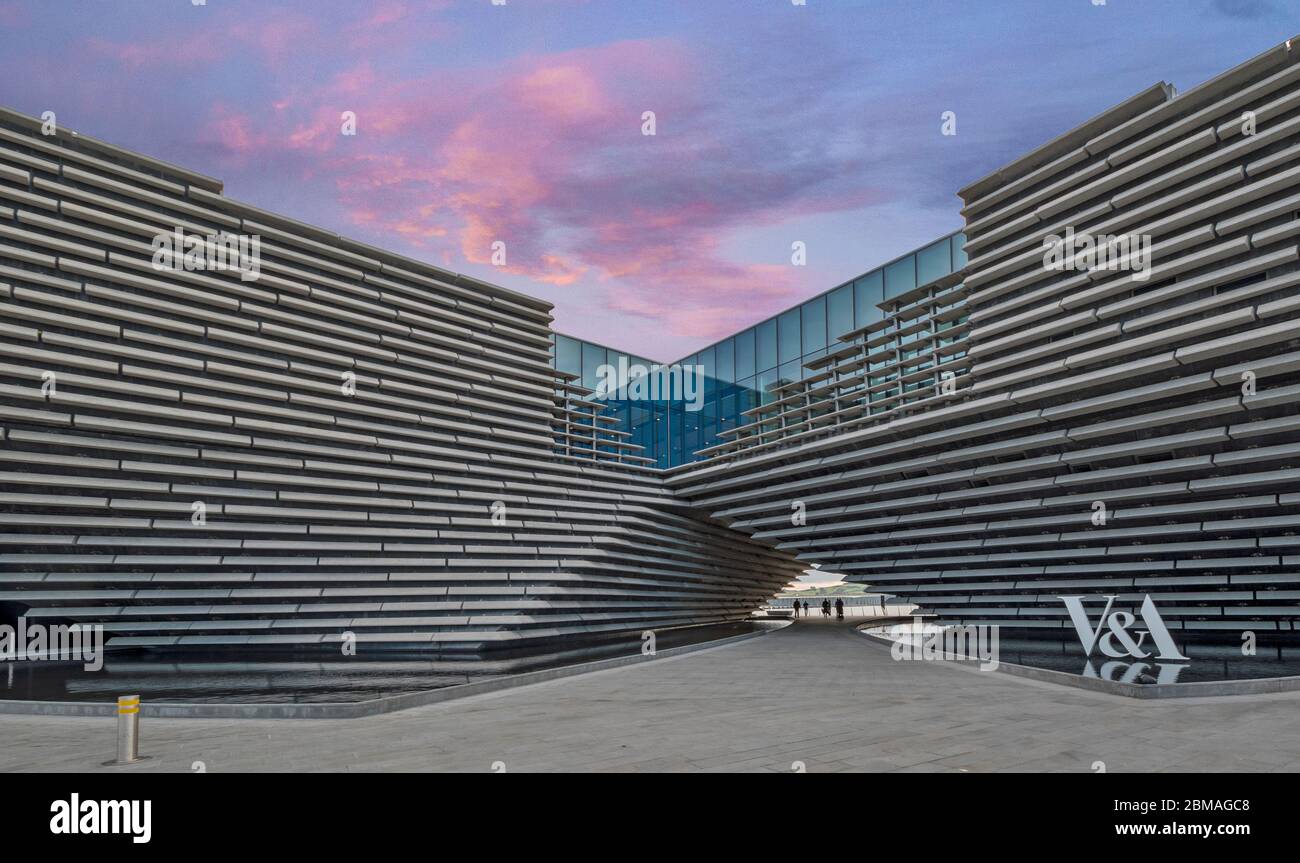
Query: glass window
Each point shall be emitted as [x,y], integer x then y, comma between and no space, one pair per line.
[790,372]
[677,423]
[958,251]
[568,354]
[725,359]
[692,440]
[867,292]
[670,389]
[745,367]
[662,450]
[813,314]
[710,410]
[788,328]
[748,398]
[933,262]
[765,380]
[707,359]
[642,431]
[765,345]
[839,313]
[642,427]
[900,276]
[593,357]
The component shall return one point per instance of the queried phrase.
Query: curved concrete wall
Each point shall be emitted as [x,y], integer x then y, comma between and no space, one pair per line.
[1166,403]
[372,442]
[1089,390]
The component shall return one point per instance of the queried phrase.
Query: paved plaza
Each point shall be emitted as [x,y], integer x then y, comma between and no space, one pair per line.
[814,693]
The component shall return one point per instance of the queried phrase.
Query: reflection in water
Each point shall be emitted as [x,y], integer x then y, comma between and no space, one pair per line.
[1207,660]
[1119,671]
[198,678]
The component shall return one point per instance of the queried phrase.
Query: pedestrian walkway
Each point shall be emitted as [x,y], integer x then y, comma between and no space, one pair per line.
[814,695]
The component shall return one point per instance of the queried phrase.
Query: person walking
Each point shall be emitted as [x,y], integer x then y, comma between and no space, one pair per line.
[805,608]
[796,608]
[839,609]
[826,608]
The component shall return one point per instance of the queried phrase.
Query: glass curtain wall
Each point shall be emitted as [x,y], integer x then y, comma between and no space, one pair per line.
[740,369]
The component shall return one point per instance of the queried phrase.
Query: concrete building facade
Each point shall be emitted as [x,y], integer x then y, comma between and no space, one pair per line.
[351,441]
[1093,431]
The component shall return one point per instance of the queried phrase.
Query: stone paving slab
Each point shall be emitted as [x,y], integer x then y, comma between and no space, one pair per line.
[814,692]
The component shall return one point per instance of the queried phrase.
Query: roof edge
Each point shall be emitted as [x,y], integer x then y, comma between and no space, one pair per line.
[76,141]
[1154,97]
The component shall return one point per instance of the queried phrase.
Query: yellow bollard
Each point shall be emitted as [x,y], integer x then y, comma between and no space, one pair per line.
[128,730]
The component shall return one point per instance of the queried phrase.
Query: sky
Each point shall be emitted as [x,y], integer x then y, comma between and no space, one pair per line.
[519,128]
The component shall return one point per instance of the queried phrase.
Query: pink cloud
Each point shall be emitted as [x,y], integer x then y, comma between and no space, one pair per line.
[277,35]
[274,37]
[234,131]
[385,12]
[398,24]
[565,94]
[545,153]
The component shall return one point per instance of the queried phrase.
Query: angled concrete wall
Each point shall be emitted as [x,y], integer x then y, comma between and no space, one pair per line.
[371,442]
[1009,434]
[1089,390]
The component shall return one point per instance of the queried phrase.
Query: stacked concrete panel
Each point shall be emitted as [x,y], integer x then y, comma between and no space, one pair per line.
[348,442]
[1116,431]
[357,442]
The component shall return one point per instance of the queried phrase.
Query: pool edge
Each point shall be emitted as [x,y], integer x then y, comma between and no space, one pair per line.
[375,706]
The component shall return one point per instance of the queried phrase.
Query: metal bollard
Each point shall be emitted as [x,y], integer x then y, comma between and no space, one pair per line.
[128,730]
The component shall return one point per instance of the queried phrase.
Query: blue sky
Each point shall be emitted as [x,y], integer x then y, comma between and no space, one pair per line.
[523,123]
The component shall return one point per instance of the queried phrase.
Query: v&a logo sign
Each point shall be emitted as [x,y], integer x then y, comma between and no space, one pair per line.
[1118,641]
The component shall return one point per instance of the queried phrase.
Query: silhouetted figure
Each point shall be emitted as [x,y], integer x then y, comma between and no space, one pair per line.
[796,608]
[826,608]
[839,609]
[805,608]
